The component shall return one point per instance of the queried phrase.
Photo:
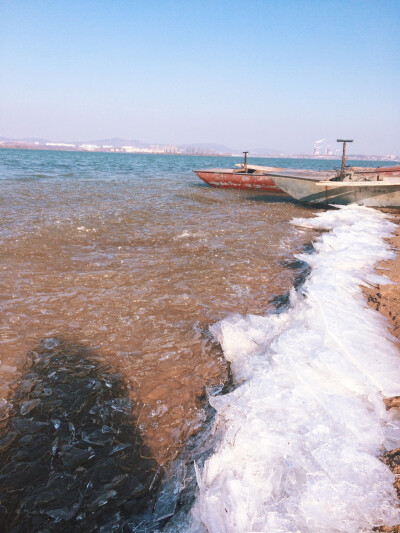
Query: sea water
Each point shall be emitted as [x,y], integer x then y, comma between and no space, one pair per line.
[184,290]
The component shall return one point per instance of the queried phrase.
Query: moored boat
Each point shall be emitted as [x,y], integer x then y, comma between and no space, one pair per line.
[256,178]
[376,187]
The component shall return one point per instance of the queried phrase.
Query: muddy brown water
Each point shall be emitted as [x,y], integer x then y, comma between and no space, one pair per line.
[132,258]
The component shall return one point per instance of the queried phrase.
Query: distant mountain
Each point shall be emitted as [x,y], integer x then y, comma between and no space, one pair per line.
[34,140]
[29,140]
[117,142]
[264,151]
[208,147]
[223,149]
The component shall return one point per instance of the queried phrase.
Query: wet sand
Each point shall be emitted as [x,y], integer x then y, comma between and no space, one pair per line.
[386,300]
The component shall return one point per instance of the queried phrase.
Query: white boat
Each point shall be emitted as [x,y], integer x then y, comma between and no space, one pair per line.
[377,187]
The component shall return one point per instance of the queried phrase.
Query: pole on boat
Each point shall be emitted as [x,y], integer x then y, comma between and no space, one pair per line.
[245,161]
[344,141]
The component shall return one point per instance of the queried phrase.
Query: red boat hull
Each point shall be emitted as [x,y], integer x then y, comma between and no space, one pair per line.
[228,178]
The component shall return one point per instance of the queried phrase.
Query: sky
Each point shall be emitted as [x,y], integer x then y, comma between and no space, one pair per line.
[247,74]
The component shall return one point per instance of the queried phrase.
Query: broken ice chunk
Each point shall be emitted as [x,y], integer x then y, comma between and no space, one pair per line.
[168,492]
[50,343]
[27,406]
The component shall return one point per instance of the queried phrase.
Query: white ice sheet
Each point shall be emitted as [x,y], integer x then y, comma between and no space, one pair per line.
[300,439]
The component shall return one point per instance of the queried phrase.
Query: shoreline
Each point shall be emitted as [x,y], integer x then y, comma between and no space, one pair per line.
[386,300]
[205,153]
[320,371]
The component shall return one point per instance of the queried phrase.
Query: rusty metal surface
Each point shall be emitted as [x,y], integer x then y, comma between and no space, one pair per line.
[229,178]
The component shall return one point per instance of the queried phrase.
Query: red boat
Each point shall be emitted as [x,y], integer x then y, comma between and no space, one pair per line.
[255,178]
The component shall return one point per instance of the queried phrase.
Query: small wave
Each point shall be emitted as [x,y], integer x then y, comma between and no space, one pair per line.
[35,177]
[300,438]
[190,234]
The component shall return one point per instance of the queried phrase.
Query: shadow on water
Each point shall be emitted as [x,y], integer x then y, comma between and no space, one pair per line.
[276,198]
[265,197]
[200,186]
[256,196]
[273,198]
[71,457]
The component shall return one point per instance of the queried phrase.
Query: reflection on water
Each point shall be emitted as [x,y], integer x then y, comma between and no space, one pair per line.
[127,255]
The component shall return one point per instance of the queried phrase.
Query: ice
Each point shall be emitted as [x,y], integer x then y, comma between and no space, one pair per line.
[301,436]
[50,343]
[27,406]
[168,493]
[86,465]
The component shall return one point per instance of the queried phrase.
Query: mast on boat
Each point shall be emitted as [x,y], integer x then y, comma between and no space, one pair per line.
[342,172]
[245,161]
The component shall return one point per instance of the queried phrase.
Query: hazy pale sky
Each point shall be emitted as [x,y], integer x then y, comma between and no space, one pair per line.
[269,74]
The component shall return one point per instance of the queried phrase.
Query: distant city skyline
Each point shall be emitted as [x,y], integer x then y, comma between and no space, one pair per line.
[260,74]
[321,149]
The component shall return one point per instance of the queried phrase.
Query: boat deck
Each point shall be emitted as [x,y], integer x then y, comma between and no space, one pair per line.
[304,174]
[252,169]
[359,177]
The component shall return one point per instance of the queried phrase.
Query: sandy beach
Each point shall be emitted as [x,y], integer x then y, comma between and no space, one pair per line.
[386,300]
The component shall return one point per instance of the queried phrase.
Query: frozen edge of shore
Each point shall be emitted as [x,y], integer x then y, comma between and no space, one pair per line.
[300,439]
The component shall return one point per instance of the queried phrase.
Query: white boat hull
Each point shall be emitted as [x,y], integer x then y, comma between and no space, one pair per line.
[384,193]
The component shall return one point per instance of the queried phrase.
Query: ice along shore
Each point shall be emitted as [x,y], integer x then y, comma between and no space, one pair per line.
[302,439]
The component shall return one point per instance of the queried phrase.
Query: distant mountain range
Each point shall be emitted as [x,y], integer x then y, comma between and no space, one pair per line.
[30,140]
[218,148]
[117,142]
[221,148]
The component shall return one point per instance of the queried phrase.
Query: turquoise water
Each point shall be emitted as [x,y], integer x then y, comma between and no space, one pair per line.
[31,164]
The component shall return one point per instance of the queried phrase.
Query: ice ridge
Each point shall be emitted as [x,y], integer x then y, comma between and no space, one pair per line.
[300,438]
